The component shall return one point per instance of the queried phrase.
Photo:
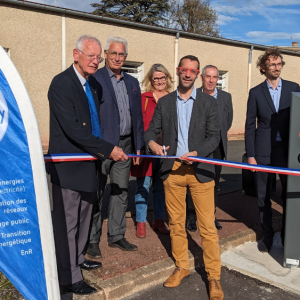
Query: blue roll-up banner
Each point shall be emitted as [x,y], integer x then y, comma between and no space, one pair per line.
[27,253]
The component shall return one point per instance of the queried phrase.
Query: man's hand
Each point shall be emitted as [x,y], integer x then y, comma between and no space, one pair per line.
[118,155]
[137,160]
[186,161]
[157,149]
[252,161]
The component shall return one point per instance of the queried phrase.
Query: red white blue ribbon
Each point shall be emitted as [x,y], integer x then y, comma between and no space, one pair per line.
[268,169]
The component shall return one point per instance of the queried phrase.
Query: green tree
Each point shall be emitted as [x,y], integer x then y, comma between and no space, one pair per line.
[148,11]
[195,16]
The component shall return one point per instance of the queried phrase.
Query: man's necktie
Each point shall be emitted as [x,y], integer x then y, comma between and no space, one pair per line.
[96,130]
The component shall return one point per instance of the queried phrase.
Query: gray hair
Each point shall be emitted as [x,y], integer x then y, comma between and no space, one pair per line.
[208,67]
[117,40]
[84,38]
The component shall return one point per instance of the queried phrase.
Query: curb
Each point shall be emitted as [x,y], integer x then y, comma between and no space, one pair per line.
[155,273]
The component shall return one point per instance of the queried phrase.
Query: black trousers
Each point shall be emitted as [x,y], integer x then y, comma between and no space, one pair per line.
[279,158]
[217,154]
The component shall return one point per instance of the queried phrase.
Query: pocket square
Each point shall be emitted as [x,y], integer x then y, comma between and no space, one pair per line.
[134,90]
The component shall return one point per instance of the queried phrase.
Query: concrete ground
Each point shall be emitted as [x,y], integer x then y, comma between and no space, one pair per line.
[267,267]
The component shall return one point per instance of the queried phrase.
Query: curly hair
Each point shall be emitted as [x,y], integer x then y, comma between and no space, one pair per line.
[273,52]
[147,82]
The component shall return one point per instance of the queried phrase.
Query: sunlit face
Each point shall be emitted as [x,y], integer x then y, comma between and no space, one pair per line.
[273,67]
[187,79]
[159,81]
[83,61]
[210,79]
[115,56]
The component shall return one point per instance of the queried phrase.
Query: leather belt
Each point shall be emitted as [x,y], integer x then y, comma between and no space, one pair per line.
[181,161]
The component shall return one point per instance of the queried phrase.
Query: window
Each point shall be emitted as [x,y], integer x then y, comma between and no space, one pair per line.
[7,51]
[134,69]
[222,83]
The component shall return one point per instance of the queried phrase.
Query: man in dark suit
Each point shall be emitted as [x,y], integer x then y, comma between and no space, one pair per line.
[210,77]
[267,135]
[122,125]
[189,121]
[75,128]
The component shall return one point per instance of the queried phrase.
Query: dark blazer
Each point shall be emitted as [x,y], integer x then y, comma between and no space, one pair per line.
[109,113]
[71,132]
[204,131]
[260,138]
[226,115]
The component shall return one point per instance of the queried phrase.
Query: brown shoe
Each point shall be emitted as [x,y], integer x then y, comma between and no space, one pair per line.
[141,230]
[159,225]
[175,279]
[215,290]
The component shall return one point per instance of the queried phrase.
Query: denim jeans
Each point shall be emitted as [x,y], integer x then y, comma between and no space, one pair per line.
[142,193]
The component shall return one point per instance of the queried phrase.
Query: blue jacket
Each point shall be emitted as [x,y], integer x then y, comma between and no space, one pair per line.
[109,113]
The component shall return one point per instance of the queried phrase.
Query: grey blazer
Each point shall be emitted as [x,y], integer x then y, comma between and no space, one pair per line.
[204,131]
[226,116]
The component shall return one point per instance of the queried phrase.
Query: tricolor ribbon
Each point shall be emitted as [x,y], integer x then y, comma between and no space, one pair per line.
[268,169]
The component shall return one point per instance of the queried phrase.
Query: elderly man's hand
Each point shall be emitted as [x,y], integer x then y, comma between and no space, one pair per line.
[118,155]
[157,149]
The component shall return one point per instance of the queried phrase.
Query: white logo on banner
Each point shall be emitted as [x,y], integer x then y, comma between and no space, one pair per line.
[3,116]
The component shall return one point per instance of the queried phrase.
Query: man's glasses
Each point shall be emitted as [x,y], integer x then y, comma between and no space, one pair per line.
[273,66]
[185,70]
[92,57]
[113,54]
[157,79]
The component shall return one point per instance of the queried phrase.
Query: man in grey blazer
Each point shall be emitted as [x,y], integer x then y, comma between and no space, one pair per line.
[210,77]
[189,121]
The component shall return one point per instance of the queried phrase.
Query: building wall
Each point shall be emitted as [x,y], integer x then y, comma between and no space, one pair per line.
[34,38]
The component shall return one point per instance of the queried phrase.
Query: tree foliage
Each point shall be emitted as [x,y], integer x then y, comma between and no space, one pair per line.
[148,11]
[195,16]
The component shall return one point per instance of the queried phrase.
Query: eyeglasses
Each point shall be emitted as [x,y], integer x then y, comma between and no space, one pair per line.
[156,79]
[114,54]
[92,57]
[184,70]
[273,66]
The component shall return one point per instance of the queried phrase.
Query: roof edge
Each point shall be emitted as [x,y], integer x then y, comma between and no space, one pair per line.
[141,25]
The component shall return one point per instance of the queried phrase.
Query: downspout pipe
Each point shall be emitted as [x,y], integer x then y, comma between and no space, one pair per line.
[249,68]
[176,60]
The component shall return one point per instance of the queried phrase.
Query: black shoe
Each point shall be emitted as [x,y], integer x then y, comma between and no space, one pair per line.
[93,251]
[263,248]
[123,244]
[80,288]
[218,225]
[90,265]
[191,223]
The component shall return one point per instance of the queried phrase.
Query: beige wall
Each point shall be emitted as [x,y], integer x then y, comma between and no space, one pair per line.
[34,38]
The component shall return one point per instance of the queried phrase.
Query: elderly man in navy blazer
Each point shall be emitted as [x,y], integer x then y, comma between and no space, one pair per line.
[267,135]
[122,125]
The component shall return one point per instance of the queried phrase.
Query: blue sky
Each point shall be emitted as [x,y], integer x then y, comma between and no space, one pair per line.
[267,22]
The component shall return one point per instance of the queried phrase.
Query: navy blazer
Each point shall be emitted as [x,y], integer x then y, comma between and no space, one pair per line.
[260,138]
[109,112]
[71,132]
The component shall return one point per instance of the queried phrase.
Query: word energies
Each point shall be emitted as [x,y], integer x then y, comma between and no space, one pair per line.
[2,116]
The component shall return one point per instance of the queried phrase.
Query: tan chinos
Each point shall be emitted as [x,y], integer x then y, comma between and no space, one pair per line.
[181,177]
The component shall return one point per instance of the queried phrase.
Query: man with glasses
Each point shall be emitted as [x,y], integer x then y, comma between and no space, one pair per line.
[75,128]
[122,125]
[267,135]
[190,125]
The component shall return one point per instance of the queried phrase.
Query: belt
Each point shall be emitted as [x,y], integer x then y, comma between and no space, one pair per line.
[123,137]
[181,161]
